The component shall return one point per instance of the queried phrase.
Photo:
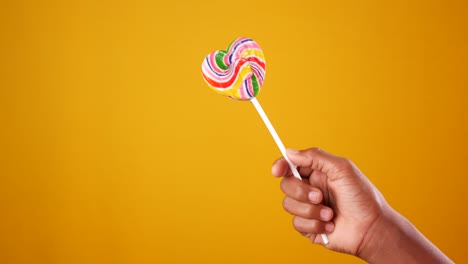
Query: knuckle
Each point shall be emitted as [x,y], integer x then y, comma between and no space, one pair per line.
[286,203]
[296,223]
[283,184]
[314,149]
[309,211]
[345,164]
[293,187]
[314,226]
[308,226]
[310,154]
[299,192]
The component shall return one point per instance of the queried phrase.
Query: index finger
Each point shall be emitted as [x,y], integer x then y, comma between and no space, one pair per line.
[281,168]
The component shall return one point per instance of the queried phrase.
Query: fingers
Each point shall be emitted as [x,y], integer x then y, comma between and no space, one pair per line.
[312,226]
[303,198]
[307,210]
[280,168]
[317,159]
[301,190]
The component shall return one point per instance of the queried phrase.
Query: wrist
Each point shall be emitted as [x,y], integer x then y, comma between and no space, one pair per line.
[393,239]
[380,236]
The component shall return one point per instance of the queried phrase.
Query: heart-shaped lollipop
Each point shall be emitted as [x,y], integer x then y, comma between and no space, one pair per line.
[238,72]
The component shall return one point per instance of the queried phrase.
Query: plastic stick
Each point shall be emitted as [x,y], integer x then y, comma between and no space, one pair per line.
[280,145]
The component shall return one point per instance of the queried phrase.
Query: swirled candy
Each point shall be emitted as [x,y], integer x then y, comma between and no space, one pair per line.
[238,72]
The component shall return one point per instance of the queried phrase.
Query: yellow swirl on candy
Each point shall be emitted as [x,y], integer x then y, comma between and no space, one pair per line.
[238,72]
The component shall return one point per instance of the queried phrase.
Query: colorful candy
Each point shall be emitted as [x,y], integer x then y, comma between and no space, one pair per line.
[238,72]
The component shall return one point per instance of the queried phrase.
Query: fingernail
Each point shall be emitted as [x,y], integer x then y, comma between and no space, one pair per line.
[329,227]
[292,151]
[325,214]
[314,196]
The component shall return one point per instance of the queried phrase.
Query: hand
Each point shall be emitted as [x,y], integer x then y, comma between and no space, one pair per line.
[334,197]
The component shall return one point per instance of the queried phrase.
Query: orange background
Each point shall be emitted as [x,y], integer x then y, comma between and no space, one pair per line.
[113,149]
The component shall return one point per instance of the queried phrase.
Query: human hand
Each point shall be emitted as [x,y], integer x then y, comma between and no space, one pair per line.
[334,198]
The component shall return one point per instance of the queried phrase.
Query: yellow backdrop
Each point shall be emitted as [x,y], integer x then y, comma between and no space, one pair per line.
[113,149]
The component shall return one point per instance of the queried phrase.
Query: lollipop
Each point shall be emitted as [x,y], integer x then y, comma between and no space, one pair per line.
[239,73]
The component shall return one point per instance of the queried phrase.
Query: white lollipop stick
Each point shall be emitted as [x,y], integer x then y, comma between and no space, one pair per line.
[280,146]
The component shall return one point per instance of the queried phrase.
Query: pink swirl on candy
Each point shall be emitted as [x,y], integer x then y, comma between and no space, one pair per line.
[238,72]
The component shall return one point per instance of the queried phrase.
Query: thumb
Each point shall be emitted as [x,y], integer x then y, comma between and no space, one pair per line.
[318,159]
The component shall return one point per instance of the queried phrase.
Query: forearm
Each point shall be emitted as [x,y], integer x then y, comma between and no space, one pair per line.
[393,239]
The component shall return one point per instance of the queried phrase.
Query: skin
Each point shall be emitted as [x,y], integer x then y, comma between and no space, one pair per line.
[336,198]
